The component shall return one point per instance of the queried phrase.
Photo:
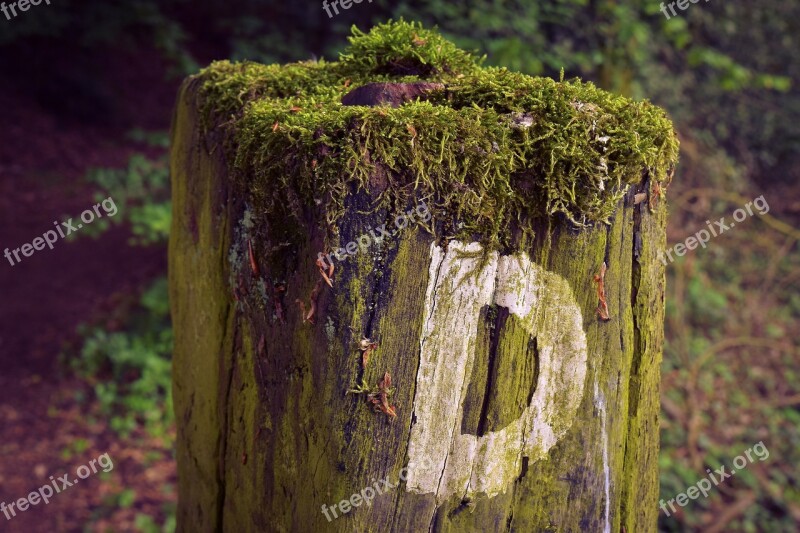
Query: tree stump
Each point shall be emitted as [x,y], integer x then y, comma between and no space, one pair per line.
[440,313]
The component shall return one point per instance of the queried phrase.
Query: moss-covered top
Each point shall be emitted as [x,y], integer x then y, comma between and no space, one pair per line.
[493,147]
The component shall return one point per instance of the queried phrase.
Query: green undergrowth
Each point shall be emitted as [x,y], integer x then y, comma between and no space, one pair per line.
[130,369]
[493,149]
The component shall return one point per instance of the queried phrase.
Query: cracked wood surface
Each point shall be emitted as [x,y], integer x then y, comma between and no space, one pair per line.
[467,465]
[281,403]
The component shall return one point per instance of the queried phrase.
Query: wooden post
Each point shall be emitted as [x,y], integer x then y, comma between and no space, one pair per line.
[504,383]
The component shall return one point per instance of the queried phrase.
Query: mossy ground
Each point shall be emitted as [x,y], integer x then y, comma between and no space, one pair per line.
[495,150]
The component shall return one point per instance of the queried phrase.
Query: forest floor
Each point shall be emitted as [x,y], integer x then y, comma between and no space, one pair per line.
[46,429]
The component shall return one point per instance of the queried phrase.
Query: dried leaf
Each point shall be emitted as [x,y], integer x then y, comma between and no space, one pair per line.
[326,276]
[253,264]
[602,308]
[655,194]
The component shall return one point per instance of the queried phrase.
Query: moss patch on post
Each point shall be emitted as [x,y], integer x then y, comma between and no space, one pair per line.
[493,150]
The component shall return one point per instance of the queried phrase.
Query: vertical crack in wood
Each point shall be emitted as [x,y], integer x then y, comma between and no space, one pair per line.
[636,276]
[637,352]
[533,346]
[226,415]
[494,339]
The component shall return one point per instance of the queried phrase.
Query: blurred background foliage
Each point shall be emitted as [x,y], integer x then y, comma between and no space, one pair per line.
[728,75]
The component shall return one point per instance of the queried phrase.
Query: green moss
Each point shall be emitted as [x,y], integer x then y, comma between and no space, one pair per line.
[401,49]
[494,149]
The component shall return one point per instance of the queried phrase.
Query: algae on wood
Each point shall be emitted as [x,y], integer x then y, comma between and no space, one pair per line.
[534,414]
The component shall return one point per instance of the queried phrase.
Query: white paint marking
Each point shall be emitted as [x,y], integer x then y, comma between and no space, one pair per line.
[600,403]
[546,307]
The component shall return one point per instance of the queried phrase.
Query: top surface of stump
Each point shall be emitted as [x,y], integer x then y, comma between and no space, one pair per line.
[495,146]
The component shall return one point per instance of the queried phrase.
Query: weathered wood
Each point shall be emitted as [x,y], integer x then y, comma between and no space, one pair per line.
[517,406]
